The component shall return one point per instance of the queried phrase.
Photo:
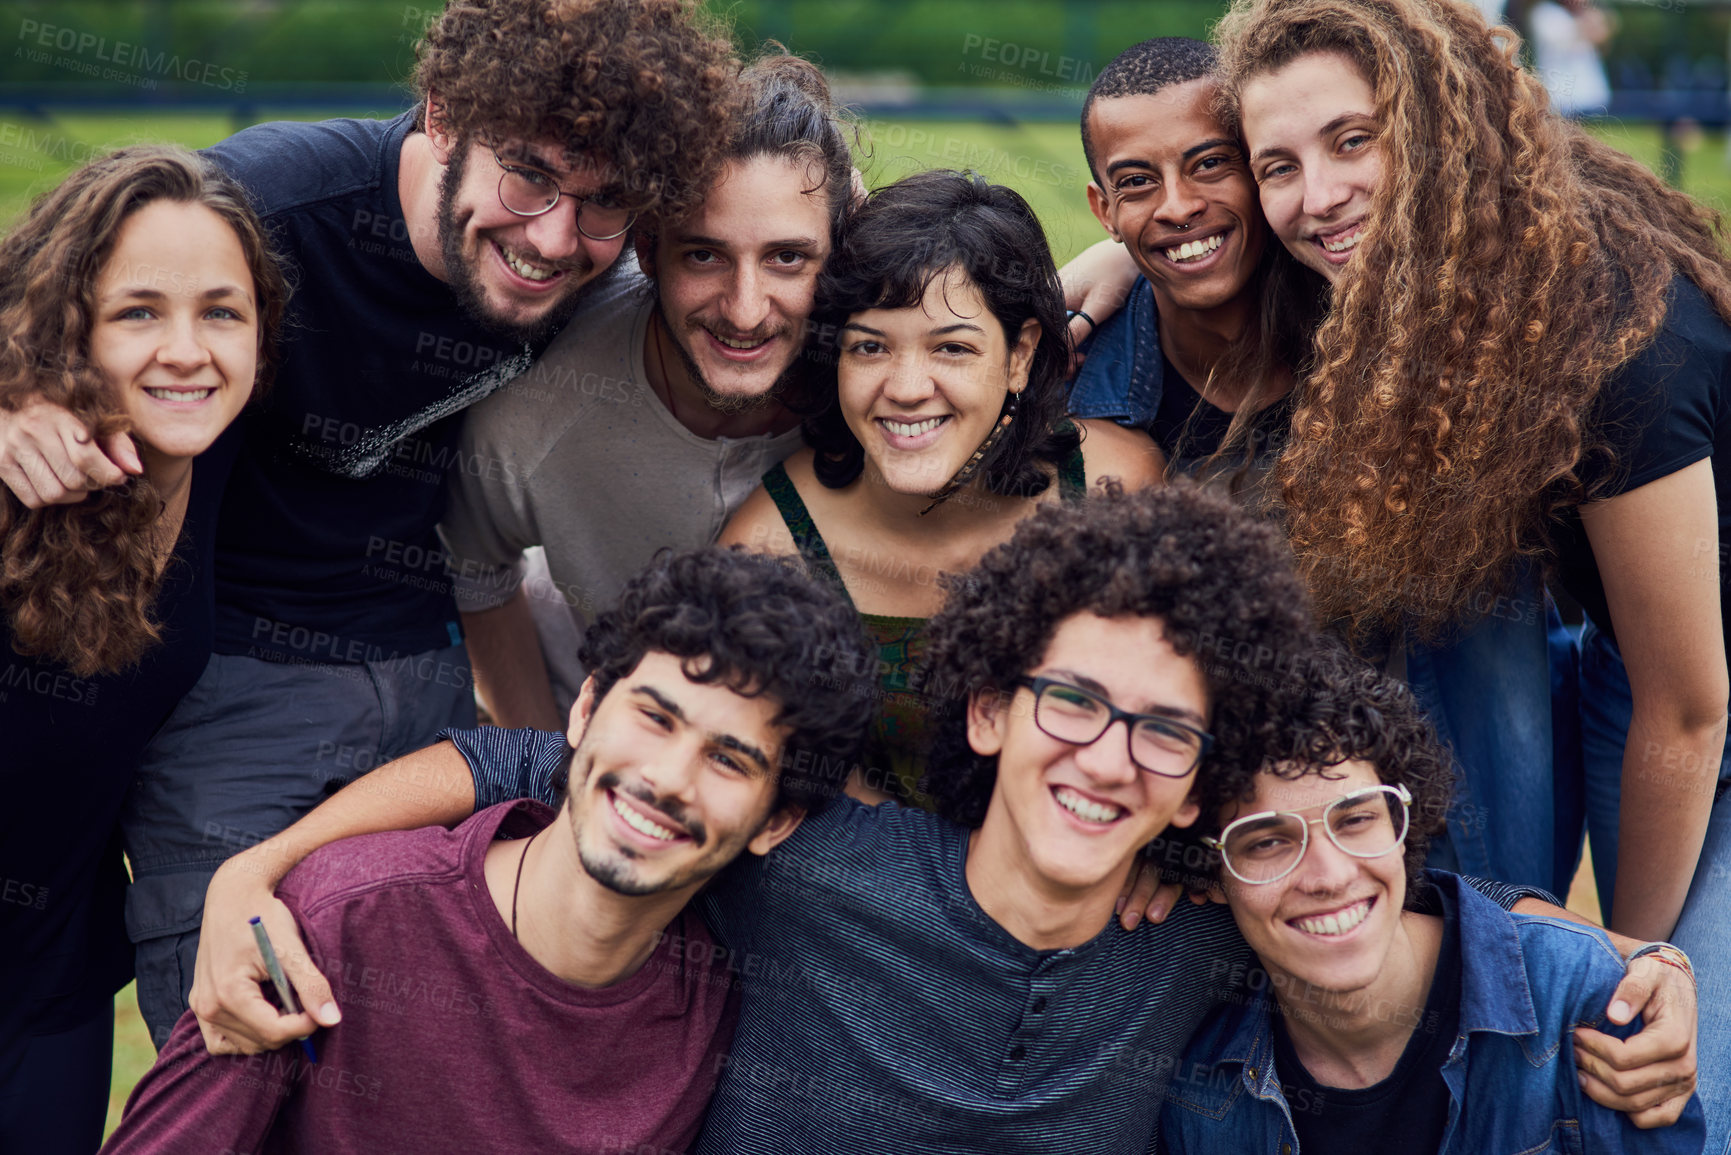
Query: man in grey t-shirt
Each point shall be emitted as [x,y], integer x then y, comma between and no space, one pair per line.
[655,412]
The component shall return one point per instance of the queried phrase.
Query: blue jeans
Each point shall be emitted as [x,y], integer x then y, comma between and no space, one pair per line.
[250,750]
[1704,929]
[1487,690]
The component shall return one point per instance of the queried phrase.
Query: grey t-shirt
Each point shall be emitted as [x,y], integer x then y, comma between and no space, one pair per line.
[579,457]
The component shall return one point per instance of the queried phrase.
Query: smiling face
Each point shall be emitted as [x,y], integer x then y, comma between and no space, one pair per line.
[1072,816]
[1311,130]
[735,279]
[671,779]
[175,330]
[1173,187]
[1331,922]
[920,388]
[520,275]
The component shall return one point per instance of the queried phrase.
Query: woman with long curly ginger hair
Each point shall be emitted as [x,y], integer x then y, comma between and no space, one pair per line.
[1523,358]
[141,296]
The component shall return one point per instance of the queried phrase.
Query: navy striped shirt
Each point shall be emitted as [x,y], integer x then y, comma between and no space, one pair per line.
[885,1011]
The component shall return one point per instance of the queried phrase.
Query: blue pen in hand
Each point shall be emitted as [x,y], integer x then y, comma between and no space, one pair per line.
[289,1006]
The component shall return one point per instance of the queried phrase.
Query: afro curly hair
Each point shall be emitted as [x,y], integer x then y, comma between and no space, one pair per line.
[649,87]
[1219,580]
[758,626]
[1330,708]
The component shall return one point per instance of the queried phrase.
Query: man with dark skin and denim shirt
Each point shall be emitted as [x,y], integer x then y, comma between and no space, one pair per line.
[959,981]
[1170,185]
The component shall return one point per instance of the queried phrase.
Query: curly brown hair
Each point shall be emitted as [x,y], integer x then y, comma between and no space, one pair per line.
[1334,708]
[1218,578]
[77,582]
[1510,265]
[646,86]
[757,625]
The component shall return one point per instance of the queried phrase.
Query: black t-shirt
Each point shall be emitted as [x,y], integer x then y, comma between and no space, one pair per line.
[1664,410]
[1412,1103]
[326,545]
[69,748]
[1189,430]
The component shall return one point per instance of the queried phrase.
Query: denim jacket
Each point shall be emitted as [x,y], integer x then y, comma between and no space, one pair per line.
[1122,378]
[1526,983]
[1486,687]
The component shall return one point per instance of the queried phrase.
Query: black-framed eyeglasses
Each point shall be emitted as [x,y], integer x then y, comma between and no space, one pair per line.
[529,192]
[1266,847]
[1157,743]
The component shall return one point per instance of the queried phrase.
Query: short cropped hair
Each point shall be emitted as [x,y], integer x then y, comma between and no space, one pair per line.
[1219,580]
[1331,708]
[648,87]
[761,628]
[1144,69]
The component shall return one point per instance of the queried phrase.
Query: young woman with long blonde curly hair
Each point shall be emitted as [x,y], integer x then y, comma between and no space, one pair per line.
[1523,359]
[141,296]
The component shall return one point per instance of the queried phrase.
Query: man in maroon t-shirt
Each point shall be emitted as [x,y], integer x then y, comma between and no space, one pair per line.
[532,980]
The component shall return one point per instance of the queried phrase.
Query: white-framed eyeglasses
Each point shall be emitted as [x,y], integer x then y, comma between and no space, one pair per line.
[1266,847]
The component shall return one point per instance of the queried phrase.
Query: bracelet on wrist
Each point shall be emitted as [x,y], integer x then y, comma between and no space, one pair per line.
[1668,954]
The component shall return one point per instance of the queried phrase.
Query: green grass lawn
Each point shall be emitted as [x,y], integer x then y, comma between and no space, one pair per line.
[1041,161]
[133,1053]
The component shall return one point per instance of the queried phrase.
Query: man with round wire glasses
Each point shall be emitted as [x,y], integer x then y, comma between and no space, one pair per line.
[530,192]
[1372,1026]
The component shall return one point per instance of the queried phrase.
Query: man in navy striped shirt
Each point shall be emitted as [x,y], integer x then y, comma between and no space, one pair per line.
[918,982]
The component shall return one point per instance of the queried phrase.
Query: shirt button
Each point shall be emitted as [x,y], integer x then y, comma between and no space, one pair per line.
[1040,1005]
[1252,1073]
[1018,1052]
[1286,1149]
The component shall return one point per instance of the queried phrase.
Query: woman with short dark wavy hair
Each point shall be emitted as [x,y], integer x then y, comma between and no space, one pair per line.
[140,295]
[940,429]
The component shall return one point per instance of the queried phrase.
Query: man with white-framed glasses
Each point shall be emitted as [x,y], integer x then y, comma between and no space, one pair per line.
[1268,845]
[1371,1026]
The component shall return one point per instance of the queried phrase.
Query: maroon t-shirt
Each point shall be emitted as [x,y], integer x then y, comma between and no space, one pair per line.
[453,1038]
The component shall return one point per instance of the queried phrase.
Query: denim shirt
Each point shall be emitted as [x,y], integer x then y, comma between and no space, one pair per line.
[1486,687]
[1526,983]
[1122,378]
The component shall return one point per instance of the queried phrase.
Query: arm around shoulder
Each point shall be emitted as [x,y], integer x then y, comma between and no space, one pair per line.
[433,786]
[1578,970]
